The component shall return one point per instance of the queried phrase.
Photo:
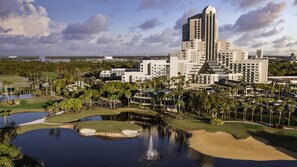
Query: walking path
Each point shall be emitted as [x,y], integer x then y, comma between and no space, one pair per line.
[39,121]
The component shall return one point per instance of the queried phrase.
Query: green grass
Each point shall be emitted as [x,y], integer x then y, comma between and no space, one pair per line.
[34,104]
[16,80]
[27,128]
[99,111]
[238,130]
[107,126]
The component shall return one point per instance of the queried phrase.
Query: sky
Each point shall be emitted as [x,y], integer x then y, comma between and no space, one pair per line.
[139,27]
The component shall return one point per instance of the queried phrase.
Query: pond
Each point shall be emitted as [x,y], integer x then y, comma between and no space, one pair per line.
[14,97]
[20,118]
[65,147]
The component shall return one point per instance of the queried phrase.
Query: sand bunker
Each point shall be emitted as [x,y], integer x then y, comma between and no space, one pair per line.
[224,145]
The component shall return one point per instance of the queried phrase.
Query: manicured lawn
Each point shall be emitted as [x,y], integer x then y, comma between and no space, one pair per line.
[108,126]
[99,111]
[16,80]
[238,130]
[27,128]
[34,104]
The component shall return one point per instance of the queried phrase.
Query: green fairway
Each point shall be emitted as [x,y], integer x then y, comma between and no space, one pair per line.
[16,81]
[238,130]
[108,126]
[99,111]
[275,137]
[26,105]
[27,128]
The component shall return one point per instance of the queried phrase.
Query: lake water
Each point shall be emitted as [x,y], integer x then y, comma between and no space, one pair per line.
[16,119]
[14,97]
[66,148]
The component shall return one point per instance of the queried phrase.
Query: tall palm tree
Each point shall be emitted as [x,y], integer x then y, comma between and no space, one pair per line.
[253,108]
[291,109]
[280,112]
[271,108]
[261,109]
[5,114]
[245,107]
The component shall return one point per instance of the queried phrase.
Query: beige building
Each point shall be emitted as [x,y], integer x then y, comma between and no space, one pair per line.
[148,70]
[205,59]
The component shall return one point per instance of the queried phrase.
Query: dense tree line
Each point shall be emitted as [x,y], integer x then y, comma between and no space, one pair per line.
[26,69]
[282,68]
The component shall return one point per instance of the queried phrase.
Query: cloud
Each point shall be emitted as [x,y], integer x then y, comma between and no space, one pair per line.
[110,39]
[160,4]
[280,42]
[245,40]
[22,17]
[52,38]
[166,37]
[256,19]
[291,44]
[295,2]
[181,21]
[135,40]
[259,44]
[245,3]
[269,33]
[150,24]
[79,31]
[2,30]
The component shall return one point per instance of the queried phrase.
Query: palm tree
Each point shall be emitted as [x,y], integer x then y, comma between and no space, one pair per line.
[270,113]
[280,111]
[245,106]
[5,114]
[291,109]
[253,108]
[261,109]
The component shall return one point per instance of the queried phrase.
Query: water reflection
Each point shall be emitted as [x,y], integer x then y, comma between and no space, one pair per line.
[16,119]
[65,147]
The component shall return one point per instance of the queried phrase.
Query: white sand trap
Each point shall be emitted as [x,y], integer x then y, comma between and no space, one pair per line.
[224,145]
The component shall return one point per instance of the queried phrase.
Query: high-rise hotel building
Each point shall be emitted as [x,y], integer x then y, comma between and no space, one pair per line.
[205,59]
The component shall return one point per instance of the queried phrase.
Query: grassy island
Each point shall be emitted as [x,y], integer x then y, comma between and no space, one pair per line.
[99,111]
[30,105]
[108,126]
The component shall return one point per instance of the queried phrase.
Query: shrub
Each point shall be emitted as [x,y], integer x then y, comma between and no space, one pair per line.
[216,121]
[278,126]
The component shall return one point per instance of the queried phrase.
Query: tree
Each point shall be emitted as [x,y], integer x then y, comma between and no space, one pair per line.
[261,109]
[245,107]
[5,114]
[280,111]
[270,113]
[76,104]
[291,109]
[8,154]
[253,108]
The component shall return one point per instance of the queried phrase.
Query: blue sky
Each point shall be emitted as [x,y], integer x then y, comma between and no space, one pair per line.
[139,27]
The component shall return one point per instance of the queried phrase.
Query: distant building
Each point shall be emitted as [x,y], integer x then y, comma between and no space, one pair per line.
[115,73]
[76,85]
[148,70]
[260,54]
[108,57]
[12,57]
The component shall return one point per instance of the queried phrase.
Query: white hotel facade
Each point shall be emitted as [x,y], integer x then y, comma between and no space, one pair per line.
[203,58]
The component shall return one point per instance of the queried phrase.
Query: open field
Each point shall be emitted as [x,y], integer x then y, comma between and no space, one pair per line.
[108,126]
[16,80]
[23,129]
[35,104]
[99,111]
